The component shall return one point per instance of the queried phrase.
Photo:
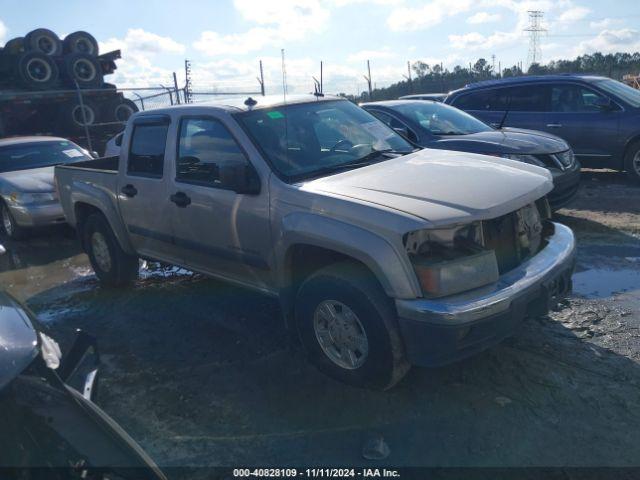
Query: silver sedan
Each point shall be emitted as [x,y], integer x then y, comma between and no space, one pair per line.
[27,191]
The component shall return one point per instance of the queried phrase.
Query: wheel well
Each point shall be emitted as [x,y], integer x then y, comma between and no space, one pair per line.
[630,144]
[302,261]
[82,212]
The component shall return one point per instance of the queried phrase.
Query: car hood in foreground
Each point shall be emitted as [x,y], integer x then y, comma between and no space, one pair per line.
[442,187]
[33,181]
[18,339]
[505,141]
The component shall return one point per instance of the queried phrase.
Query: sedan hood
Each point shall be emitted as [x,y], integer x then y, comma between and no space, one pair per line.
[36,180]
[18,339]
[442,187]
[521,142]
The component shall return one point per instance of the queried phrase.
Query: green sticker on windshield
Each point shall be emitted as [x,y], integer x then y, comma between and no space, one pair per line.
[275,115]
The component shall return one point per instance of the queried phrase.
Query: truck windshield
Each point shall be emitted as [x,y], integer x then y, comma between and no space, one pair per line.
[26,156]
[622,91]
[310,139]
[440,119]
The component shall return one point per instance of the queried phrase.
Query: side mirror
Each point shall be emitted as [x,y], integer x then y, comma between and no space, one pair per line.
[2,249]
[240,177]
[95,154]
[604,103]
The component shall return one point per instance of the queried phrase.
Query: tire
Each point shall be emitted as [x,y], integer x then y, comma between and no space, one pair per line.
[8,225]
[82,68]
[112,265]
[377,362]
[632,162]
[36,71]
[119,110]
[43,41]
[80,42]
[15,46]
[70,116]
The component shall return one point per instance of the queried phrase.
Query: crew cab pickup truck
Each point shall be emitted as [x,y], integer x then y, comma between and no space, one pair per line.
[381,255]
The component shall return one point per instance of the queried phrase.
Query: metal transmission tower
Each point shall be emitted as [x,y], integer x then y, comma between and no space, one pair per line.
[534,29]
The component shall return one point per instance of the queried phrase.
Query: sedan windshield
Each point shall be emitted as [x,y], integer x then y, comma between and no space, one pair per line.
[439,119]
[622,91]
[310,139]
[26,156]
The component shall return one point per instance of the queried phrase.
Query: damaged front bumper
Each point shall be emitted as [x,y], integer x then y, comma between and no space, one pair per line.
[444,330]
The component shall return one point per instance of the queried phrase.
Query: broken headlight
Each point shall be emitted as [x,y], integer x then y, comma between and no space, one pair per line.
[452,260]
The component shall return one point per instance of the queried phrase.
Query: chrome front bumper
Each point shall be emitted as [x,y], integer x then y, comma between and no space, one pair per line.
[558,255]
[35,215]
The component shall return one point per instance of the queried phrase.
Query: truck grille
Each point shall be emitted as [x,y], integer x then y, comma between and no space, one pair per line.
[514,237]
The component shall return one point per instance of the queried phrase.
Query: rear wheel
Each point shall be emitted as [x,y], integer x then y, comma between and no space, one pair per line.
[632,162]
[83,69]
[15,46]
[348,327]
[9,226]
[44,41]
[36,71]
[112,265]
[80,42]
[73,116]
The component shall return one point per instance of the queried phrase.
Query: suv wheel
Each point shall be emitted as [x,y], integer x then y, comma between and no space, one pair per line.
[112,265]
[632,162]
[348,327]
[9,226]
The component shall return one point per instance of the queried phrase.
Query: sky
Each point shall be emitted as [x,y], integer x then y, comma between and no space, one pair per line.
[225,39]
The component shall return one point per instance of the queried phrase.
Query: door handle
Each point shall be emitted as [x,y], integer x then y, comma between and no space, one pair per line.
[554,125]
[180,199]
[129,190]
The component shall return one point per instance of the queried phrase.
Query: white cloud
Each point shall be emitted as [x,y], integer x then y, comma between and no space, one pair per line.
[3,31]
[605,23]
[139,51]
[433,13]
[279,23]
[483,17]
[364,55]
[611,41]
[476,41]
[573,14]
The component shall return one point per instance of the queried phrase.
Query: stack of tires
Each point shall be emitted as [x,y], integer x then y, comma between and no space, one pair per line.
[41,61]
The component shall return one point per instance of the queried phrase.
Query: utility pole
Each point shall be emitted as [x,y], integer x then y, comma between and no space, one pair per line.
[368,79]
[408,77]
[187,81]
[493,63]
[261,79]
[535,29]
[284,77]
[321,85]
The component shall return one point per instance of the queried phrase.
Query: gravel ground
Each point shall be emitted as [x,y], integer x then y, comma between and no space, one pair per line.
[199,373]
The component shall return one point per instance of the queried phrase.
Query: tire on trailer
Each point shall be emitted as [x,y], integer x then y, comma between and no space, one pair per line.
[15,46]
[70,118]
[112,265]
[119,109]
[8,225]
[82,68]
[80,42]
[44,41]
[348,327]
[36,71]
[632,161]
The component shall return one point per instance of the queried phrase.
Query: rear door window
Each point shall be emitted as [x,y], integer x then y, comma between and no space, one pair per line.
[146,155]
[573,98]
[524,98]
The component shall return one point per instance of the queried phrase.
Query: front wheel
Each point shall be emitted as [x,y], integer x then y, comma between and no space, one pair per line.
[9,226]
[348,327]
[632,162]
[112,265]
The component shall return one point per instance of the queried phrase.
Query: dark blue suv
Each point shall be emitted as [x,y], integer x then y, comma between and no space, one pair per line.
[599,117]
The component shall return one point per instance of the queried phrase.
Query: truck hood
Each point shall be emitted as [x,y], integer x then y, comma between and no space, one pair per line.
[506,141]
[36,180]
[442,187]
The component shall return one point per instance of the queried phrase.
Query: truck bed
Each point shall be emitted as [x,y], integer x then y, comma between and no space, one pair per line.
[93,182]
